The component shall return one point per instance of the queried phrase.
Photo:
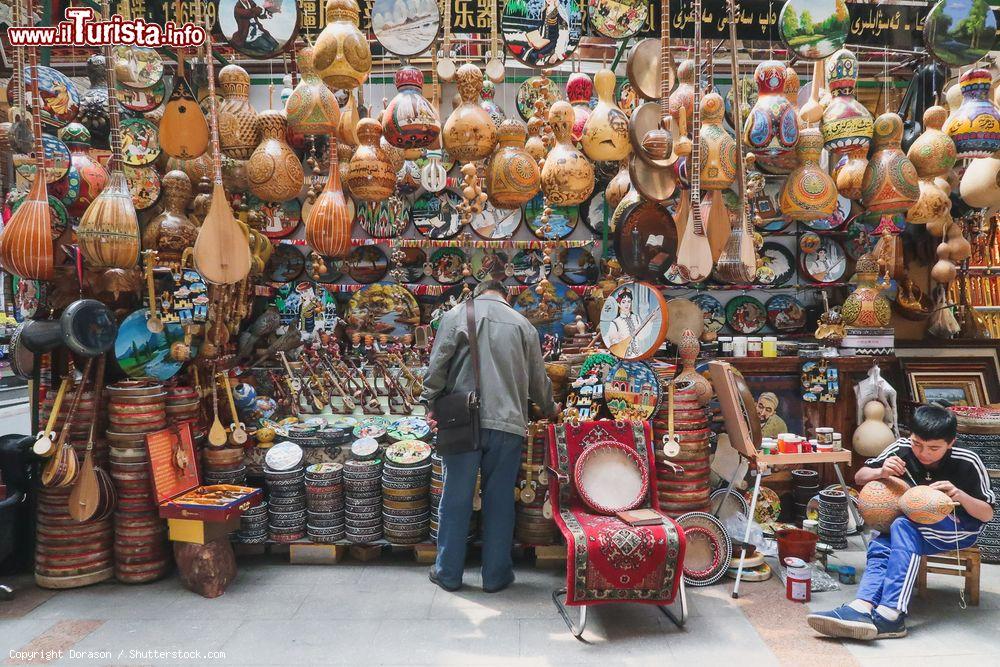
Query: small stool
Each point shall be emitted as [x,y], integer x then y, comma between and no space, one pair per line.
[967,567]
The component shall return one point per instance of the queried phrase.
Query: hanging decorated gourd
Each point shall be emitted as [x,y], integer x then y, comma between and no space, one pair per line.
[171,232]
[488,103]
[975,126]
[866,306]
[772,128]
[91,173]
[328,228]
[618,187]
[567,175]
[409,120]
[846,124]
[605,134]
[933,154]
[579,90]
[792,86]
[342,55]
[370,174]
[809,193]
[469,133]
[274,170]
[718,148]
[890,181]
[513,178]
[683,95]
[311,108]
[239,127]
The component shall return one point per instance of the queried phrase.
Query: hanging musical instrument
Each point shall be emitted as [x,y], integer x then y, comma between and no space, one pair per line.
[184,130]
[222,249]
[237,429]
[328,229]
[446,67]
[671,445]
[694,253]
[217,433]
[45,441]
[26,240]
[16,134]
[154,324]
[494,63]
[62,467]
[85,498]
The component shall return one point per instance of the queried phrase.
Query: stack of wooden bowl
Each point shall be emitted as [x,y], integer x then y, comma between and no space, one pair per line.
[223,465]
[530,525]
[79,429]
[135,409]
[183,405]
[689,490]
[68,553]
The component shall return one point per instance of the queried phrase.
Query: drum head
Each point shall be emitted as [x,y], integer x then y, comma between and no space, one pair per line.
[611,478]
[89,327]
[708,550]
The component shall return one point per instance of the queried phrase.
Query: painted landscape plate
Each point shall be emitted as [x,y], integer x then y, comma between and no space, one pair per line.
[785,313]
[632,390]
[367,264]
[541,34]
[270,29]
[405,27]
[530,266]
[411,265]
[285,265]
[382,309]
[745,314]
[435,214]
[578,266]
[551,310]
[960,32]
[560,224]
[141,353]
[814,29]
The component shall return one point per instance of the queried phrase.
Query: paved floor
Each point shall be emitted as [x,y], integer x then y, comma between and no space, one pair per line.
[387,613]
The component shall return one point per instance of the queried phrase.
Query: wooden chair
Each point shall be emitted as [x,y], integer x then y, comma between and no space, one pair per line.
[967,567]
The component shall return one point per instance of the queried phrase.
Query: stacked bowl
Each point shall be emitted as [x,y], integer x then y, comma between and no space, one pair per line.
[406,505]
[805,485]
[325,502]
[253,525]
[285,479]
[363,499]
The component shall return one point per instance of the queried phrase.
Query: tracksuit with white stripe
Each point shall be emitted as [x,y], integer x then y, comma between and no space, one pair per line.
[894,557]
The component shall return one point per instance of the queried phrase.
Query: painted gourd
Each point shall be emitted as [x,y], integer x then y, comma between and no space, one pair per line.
[866,306]
[605,134]
[513,178]
[786,162]
[809,193]
[846,122]
[849,170]
[879,502]
[274,170]
[924,505]
[688,350]
[567,175]
[91,173]
[370,175]
[980,184]
[579,91]
[342,56]
[409,120]
[718,148]
[239,126]
[311,108]
[618,187]
[772,128]
[469,133]
[171,232]
[873,435]
[933,154]
[683,95]
[890,181]
[975,126]
[793,84]
[488,102]
[328,227]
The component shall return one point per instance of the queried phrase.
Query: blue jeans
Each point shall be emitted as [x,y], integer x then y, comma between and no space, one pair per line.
[499,458]
[894,557]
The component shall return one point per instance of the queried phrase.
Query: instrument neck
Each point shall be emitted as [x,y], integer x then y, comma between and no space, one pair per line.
[114,117]
[665,58]
[214,107]
[36,114]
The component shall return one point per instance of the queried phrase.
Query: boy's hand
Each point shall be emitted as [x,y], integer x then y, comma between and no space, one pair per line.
[893,467]
[947,488]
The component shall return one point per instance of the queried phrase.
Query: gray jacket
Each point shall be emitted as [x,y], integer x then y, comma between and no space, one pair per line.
[510,364]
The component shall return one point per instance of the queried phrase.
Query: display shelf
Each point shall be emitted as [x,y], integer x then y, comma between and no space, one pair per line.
[793,364]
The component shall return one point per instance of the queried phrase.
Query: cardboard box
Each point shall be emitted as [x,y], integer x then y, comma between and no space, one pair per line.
[201,532]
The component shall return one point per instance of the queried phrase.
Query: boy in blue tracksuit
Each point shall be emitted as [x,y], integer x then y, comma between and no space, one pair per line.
[928,457]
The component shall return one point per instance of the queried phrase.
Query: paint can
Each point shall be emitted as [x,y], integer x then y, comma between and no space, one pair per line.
[798,580]
[848,575]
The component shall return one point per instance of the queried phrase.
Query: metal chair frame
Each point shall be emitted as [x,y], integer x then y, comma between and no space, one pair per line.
[577,627]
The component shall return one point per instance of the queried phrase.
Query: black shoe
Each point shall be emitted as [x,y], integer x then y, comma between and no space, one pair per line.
[500,588]
[432,575]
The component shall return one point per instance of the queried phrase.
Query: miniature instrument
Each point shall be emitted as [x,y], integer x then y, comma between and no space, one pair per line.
[62,467]
[446,63]
[154,324]
[494,63]
[217,433]
[85,498]
[45,441]
[237,429]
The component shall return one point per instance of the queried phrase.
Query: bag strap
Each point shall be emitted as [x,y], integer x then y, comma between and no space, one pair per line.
[470,319]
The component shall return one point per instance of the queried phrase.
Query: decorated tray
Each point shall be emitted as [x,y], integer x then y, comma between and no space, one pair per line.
[60,97]
[824,262]
[530,90]
[277,24]
[285,265]
[488,263]
[551,310]
[634,321]
[617,18]
[144,186]
[541,34]
[561,221]
[960,32]
[435,214]
[776,264]
[496,223]
[708,550]
[57,161]
[142,353]
[405,28]
[447,265]
[409,428]
[138,67]
[529,266]
[576,266]
[712,309]
[585,395]
[384,219]
[373,426]
[814,29]
[611,477]
[382,309]
[785,313]
[283,457]
[141,100]
[281,219]
[408,452]
[768,508]
[140,142]
[367,264]
[409,264]
[632,390]
[745,314]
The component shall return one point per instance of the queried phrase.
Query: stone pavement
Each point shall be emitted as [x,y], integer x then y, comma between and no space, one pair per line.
[387,613]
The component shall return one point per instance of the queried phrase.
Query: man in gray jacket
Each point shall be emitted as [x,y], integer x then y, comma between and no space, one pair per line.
[511,372]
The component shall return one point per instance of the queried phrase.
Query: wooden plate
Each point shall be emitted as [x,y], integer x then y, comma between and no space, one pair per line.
[286,264]
[384,219]
[435,214]
[576,266]
[367,264]
[634,321]
[278,27]
[141,353]
[836,220]
[819,37]
[645,237]
[632,390]
[561,223]
[489,263]
[137,67]
[281,219]
[745,314]
[594,211]
[410,268]
[785,313]
[530,267]
[539,36]
[627,98]
[140,142]
[144,186]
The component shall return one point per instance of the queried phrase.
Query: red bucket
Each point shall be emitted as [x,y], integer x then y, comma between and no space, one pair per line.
[796,543]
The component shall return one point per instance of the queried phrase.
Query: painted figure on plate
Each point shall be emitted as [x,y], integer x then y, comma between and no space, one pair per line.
[251,35]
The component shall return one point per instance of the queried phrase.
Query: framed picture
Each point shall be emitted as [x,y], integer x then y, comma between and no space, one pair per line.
[965,389]
[964,379]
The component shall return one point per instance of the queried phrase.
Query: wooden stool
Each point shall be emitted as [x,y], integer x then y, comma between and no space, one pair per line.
[966,567]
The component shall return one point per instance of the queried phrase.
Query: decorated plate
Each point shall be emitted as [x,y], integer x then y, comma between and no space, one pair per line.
[409,428]
[384,219]
[142,353]
[270,32]
[785,313]
[530,266]
[136,66]
[144,184]
[960,32]
[407,452]
[632,390]
[861,237]
[57,161]
[767,206]
[768,507]
[334,271]
[561,223]
[745,314]
[617,18]
[611,478]
[451,297]
[405,28]
[827,263]
[372,426]
[447,265]
[60,97]
[644,231]
[627,98]
[489,264]
[367,264]
[531,89]
[385,308]
[712,309]
[776,266]
[576,266]
[709,548]
[365,447]
[496,223]
[728,503]
[285,265]
[283,456]
[140,142]
[59,217]
[541,34]
[435,214]
[585,395]
[410,267]
[592,211]
[840,215]
[814,29]
[141,100]
[281,219]
[634,321]
[551,310]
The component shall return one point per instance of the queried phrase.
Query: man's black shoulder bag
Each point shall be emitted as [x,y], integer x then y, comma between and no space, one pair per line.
[457,413]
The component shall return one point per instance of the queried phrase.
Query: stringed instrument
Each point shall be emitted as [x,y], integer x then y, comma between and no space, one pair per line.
[494,64]
[446,63]
[45,440]
[328,228]
[217,433]
[237,429]
[15,134]
[85,498]
[62,467]
[184,130]
[694,253]
[26,240]
[222,249]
